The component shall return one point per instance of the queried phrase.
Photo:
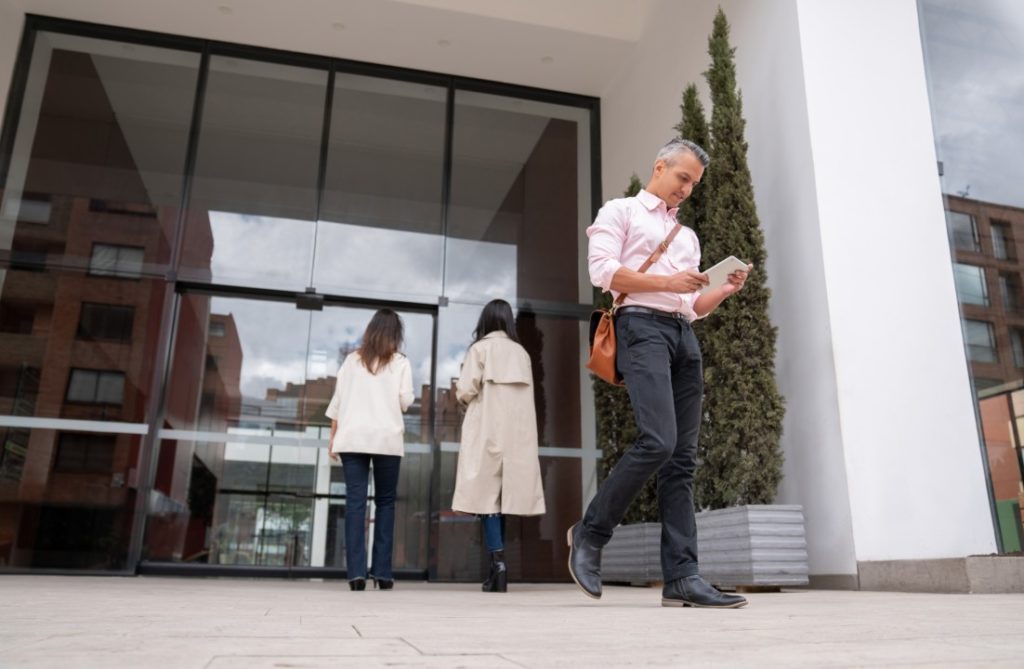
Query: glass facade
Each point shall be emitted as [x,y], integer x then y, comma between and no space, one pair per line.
[973,55]
[193,236]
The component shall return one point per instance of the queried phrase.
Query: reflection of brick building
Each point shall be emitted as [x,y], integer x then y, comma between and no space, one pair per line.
[987,243]
[81,312]
[449,413]
[77,344]
[989,257]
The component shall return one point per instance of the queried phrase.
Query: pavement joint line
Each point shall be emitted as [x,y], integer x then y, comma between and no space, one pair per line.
[410,644]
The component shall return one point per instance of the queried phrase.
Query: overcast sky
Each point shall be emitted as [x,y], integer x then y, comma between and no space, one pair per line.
[975,58]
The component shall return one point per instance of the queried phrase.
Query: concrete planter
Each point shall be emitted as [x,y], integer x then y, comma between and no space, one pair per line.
[633,555]
[753,545]
[742,546]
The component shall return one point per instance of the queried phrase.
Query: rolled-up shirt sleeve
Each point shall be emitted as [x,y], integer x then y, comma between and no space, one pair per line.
[607,235]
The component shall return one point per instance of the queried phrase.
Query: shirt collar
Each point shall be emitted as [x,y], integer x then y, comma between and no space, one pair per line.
[652,202]
[495,333]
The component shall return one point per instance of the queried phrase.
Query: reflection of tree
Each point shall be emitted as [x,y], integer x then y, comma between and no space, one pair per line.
[532,339]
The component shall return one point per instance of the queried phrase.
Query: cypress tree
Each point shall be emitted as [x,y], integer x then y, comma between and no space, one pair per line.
[694,127]
[740,458]
[616,424]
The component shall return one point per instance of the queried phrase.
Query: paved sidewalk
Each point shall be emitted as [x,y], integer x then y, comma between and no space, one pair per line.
[86,622]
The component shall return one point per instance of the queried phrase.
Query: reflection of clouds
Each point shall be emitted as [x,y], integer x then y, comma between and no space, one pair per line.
[378,259]
[267,251]
[273,340]
[481,270]
[974,54]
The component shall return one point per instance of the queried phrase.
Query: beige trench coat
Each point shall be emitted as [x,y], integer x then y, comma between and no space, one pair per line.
[499,465]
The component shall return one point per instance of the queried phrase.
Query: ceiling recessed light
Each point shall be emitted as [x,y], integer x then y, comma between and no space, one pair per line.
[443,43]
[547,60]
[224,9]
[337,25]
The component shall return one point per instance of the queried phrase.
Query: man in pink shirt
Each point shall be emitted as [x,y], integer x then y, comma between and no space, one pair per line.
[659,358]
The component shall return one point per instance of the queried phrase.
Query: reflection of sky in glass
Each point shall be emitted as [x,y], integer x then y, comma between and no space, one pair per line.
[481,270]
[263,250]
[274,338]
[975,59]
[397,262]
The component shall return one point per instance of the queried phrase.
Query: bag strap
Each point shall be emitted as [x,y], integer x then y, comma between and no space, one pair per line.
[662,247]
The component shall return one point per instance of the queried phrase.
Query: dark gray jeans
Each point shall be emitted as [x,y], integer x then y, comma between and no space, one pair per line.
[659,358]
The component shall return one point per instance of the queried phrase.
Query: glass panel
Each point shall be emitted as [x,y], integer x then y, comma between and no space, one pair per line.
[99,152]
[981,345]
[963,231]
[1001,243]
[970,284]
[380,217]
[66,499]
[48,370]
[261,490]
[253,198]
[520,201]
[973,54]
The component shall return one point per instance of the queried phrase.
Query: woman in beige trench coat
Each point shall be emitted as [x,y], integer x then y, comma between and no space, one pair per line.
[499,467]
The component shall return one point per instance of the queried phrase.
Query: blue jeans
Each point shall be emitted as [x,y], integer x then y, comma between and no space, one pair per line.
[385,484]
[494,531]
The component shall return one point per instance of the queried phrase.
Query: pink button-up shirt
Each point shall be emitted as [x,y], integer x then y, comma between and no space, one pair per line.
[626,232]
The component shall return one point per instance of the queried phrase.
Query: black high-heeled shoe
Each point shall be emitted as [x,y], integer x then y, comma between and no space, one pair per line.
[497,578]
[357,584]
[383,583]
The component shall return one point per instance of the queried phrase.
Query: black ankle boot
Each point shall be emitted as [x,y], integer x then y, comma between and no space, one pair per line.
[497,578]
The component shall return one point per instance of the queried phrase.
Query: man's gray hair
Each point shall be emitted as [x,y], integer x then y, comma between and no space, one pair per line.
[676,146]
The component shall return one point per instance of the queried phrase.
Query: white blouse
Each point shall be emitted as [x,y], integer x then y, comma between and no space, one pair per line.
[368,407]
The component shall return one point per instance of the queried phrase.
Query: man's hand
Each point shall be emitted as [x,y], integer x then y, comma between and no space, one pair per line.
[736,281]
[686,282]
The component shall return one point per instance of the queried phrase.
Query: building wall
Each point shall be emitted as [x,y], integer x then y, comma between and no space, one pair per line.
[11,22]
[909,436]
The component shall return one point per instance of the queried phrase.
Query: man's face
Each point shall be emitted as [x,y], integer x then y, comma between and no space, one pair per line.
[674,183]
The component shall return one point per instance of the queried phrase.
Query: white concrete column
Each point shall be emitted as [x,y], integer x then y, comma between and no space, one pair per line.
[909,437]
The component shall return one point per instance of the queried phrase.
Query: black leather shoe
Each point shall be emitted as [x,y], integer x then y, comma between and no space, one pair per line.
[357,584]
[584,562]
[695,591]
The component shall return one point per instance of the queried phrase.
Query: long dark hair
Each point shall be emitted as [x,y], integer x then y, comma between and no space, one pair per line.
[381,341]
[497,315]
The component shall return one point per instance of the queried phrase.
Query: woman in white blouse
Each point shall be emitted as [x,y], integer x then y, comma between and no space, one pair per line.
[374,387]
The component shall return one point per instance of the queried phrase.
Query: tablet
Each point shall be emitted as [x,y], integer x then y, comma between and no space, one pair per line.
[719,274]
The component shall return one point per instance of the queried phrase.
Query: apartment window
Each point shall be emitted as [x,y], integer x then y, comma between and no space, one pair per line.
[1009,287]
[85,453]
[963,230]
[216,329]
[981,341]
[90,386]
[970,284]
[120,261]
[1001,241]
[106,322]
[1017,344]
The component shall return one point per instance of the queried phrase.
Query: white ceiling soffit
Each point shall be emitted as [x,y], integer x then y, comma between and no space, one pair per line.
[568,45]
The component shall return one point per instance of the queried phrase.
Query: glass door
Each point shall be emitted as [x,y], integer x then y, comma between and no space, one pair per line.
[243,477]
